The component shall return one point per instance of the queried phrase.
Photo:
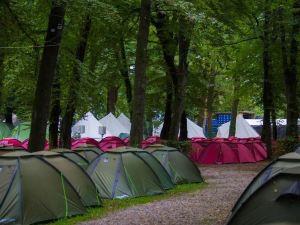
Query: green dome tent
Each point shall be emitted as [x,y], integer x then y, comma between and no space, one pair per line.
[4,130]
[88,153]
[122,174]
[76,175]
[22,131]
[74,156]
[180,168]
[32,191]
[273,197]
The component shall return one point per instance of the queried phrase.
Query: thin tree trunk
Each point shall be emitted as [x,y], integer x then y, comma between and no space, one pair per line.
[67,121]
[267,86]
[235,105]
[124,72]
[41,103]
[138,101]
[164,134]
[1,75]
[55,112]
[8,116]
[183,127]
[291,80]
[210,102]
[274,125]
[112,98]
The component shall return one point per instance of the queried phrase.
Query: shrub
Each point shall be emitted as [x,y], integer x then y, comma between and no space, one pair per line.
[286,145]
[184,146]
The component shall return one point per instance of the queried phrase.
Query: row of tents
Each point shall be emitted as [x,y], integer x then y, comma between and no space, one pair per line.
[48,185]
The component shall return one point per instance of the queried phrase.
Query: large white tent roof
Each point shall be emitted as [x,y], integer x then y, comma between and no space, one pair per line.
[88,126]
[124,120]
[113,126]
[242,129]
[193,129]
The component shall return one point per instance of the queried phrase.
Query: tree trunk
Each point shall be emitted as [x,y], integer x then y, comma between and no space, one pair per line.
[8,116]
[164,134]
[55,112]
[112,98]
[210,101]
[138,101]
[291,80]
[41,105]
[183,127]
[274,125]
[267,86]
[67,121]
[124,72]
[1,75]
[235,105]
[179,81]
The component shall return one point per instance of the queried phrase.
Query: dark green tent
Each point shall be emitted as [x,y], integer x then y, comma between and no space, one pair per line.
[180,168]
[273,197]
[32,191]
[88,153]
[74,156]
[76,175]
[123,174]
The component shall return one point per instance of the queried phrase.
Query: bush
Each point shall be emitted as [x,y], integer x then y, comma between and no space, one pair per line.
[286,145]
[184,146]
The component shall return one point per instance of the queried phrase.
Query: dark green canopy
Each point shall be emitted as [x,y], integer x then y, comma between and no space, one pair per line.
[32,191]
[122,174]
[180,168]
[273,197]
[76,175]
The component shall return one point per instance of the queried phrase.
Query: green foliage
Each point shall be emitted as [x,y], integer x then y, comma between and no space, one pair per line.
[184,146]
[286,145]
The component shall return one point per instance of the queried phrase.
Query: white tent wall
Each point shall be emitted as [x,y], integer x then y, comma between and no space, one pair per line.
[193,130]
[242,129]
[124,120]
[91,127]
[113,126]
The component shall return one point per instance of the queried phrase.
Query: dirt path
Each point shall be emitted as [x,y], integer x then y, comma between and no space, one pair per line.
[209,206]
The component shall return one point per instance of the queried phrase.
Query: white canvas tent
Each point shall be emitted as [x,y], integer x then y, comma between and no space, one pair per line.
[124,120]
[193,130]
[113,126]
[242,129]
[88,126]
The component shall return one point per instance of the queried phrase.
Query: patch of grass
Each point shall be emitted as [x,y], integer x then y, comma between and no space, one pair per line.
[110,206]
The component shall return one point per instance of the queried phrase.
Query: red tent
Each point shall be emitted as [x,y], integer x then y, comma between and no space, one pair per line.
[84,142]
[110,143]
[231,150]
[150,141]
[11,143]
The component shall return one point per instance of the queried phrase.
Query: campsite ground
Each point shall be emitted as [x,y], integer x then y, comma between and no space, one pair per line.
[208,206]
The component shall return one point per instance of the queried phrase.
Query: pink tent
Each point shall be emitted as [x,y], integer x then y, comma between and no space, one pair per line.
[111,142]
[11,143]
[84,142]
[25,144]
[231,150]
[150,141]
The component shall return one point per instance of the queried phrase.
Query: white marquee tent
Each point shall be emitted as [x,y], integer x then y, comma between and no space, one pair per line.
[193,130]
[124,120]
[242,129]
[113,126]
[88,126]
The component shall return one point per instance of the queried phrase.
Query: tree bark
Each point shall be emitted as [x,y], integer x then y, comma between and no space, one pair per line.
[55,112]
[274,125]
[267,85]
[1,75]
[138,101]
[164,134]
[235,105]
[183,127]
[41,103]
[210,101]
[8,116]
[112,98]
[66,124]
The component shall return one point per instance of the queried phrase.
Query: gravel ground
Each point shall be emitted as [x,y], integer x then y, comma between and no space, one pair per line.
[209,206]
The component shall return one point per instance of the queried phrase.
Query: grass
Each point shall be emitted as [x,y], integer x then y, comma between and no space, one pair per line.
[110,206]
